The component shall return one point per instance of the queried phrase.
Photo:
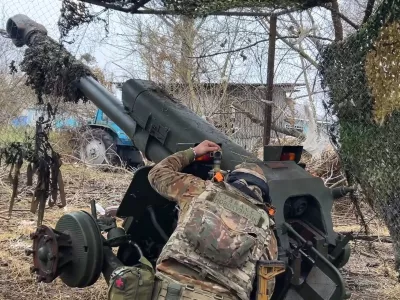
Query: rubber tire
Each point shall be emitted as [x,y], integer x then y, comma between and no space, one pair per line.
[107,140]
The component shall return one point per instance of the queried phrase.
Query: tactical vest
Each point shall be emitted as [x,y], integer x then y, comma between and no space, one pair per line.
[221,236]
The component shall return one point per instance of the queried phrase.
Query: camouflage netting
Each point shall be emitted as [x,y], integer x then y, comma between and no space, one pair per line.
[203,7]
[362,75]
[74,14]
[51,70]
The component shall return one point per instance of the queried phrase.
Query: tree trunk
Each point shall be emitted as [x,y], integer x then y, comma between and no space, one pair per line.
[187,32]
[337,22]
[368,10]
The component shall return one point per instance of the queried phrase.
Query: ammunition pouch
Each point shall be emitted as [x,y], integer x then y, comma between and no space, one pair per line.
[132,283]
[214,240]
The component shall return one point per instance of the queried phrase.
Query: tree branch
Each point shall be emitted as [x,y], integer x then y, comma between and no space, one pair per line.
[130,9]
[230,51]
[4,33]
[337,23]
[368,10]
[346,19]
[302,53]
[256,43]
[257,121]
[371,238]
[135,9]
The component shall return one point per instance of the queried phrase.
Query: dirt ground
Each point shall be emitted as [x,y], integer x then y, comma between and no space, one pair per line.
[369,273]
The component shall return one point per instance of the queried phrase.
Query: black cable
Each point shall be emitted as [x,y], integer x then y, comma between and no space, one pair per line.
[155,223]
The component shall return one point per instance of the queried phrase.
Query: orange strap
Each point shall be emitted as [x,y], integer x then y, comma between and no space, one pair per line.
[271,211]
[219,177]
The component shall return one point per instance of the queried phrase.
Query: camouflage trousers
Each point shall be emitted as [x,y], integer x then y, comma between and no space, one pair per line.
[166,288]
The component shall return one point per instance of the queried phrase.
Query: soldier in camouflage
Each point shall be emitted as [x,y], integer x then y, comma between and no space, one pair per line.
[223,230]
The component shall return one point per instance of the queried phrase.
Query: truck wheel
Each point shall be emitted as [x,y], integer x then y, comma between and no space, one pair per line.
[98,148]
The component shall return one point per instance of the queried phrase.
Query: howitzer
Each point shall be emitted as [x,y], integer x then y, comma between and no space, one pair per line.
[159,125]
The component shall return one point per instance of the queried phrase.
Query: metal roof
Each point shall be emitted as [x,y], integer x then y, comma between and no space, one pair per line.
[285,86]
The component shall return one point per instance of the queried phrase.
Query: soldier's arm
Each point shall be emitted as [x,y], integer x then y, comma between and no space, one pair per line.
[166,178]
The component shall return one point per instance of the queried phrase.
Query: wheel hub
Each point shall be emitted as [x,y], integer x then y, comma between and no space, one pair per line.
[47,256]
[94,152]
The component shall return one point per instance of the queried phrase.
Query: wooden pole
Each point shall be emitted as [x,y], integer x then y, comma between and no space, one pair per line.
[270,81]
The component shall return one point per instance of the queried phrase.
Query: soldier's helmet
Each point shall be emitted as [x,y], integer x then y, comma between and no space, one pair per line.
[249,178]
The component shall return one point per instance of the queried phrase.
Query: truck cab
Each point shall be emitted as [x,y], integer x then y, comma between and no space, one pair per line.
[102,121]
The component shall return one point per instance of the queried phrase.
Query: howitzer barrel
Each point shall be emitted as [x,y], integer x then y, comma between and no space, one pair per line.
[156,122]
[163,123]
[106,101]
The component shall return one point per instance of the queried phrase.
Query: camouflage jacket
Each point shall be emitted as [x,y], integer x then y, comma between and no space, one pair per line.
[195,197]
[168,181]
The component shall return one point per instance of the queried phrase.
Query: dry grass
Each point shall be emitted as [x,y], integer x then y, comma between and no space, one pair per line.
[369,274]
[16,281]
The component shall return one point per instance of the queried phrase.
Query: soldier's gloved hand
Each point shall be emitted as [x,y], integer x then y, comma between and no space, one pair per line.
[205,147]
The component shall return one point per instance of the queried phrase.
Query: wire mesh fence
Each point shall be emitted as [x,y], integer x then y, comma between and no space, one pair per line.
[217,67]
[211,65]
[218,81]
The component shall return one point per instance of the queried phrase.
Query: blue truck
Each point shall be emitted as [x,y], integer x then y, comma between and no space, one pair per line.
[106,143]
[101,142]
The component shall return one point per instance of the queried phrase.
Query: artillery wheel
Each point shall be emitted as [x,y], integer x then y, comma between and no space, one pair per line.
[98,148]
[72,251]
[86,251]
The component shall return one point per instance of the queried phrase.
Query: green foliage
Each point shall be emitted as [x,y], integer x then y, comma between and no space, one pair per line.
[10,134]
[362,76]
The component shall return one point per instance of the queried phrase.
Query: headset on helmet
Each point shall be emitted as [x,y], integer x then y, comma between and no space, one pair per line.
[234,179]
